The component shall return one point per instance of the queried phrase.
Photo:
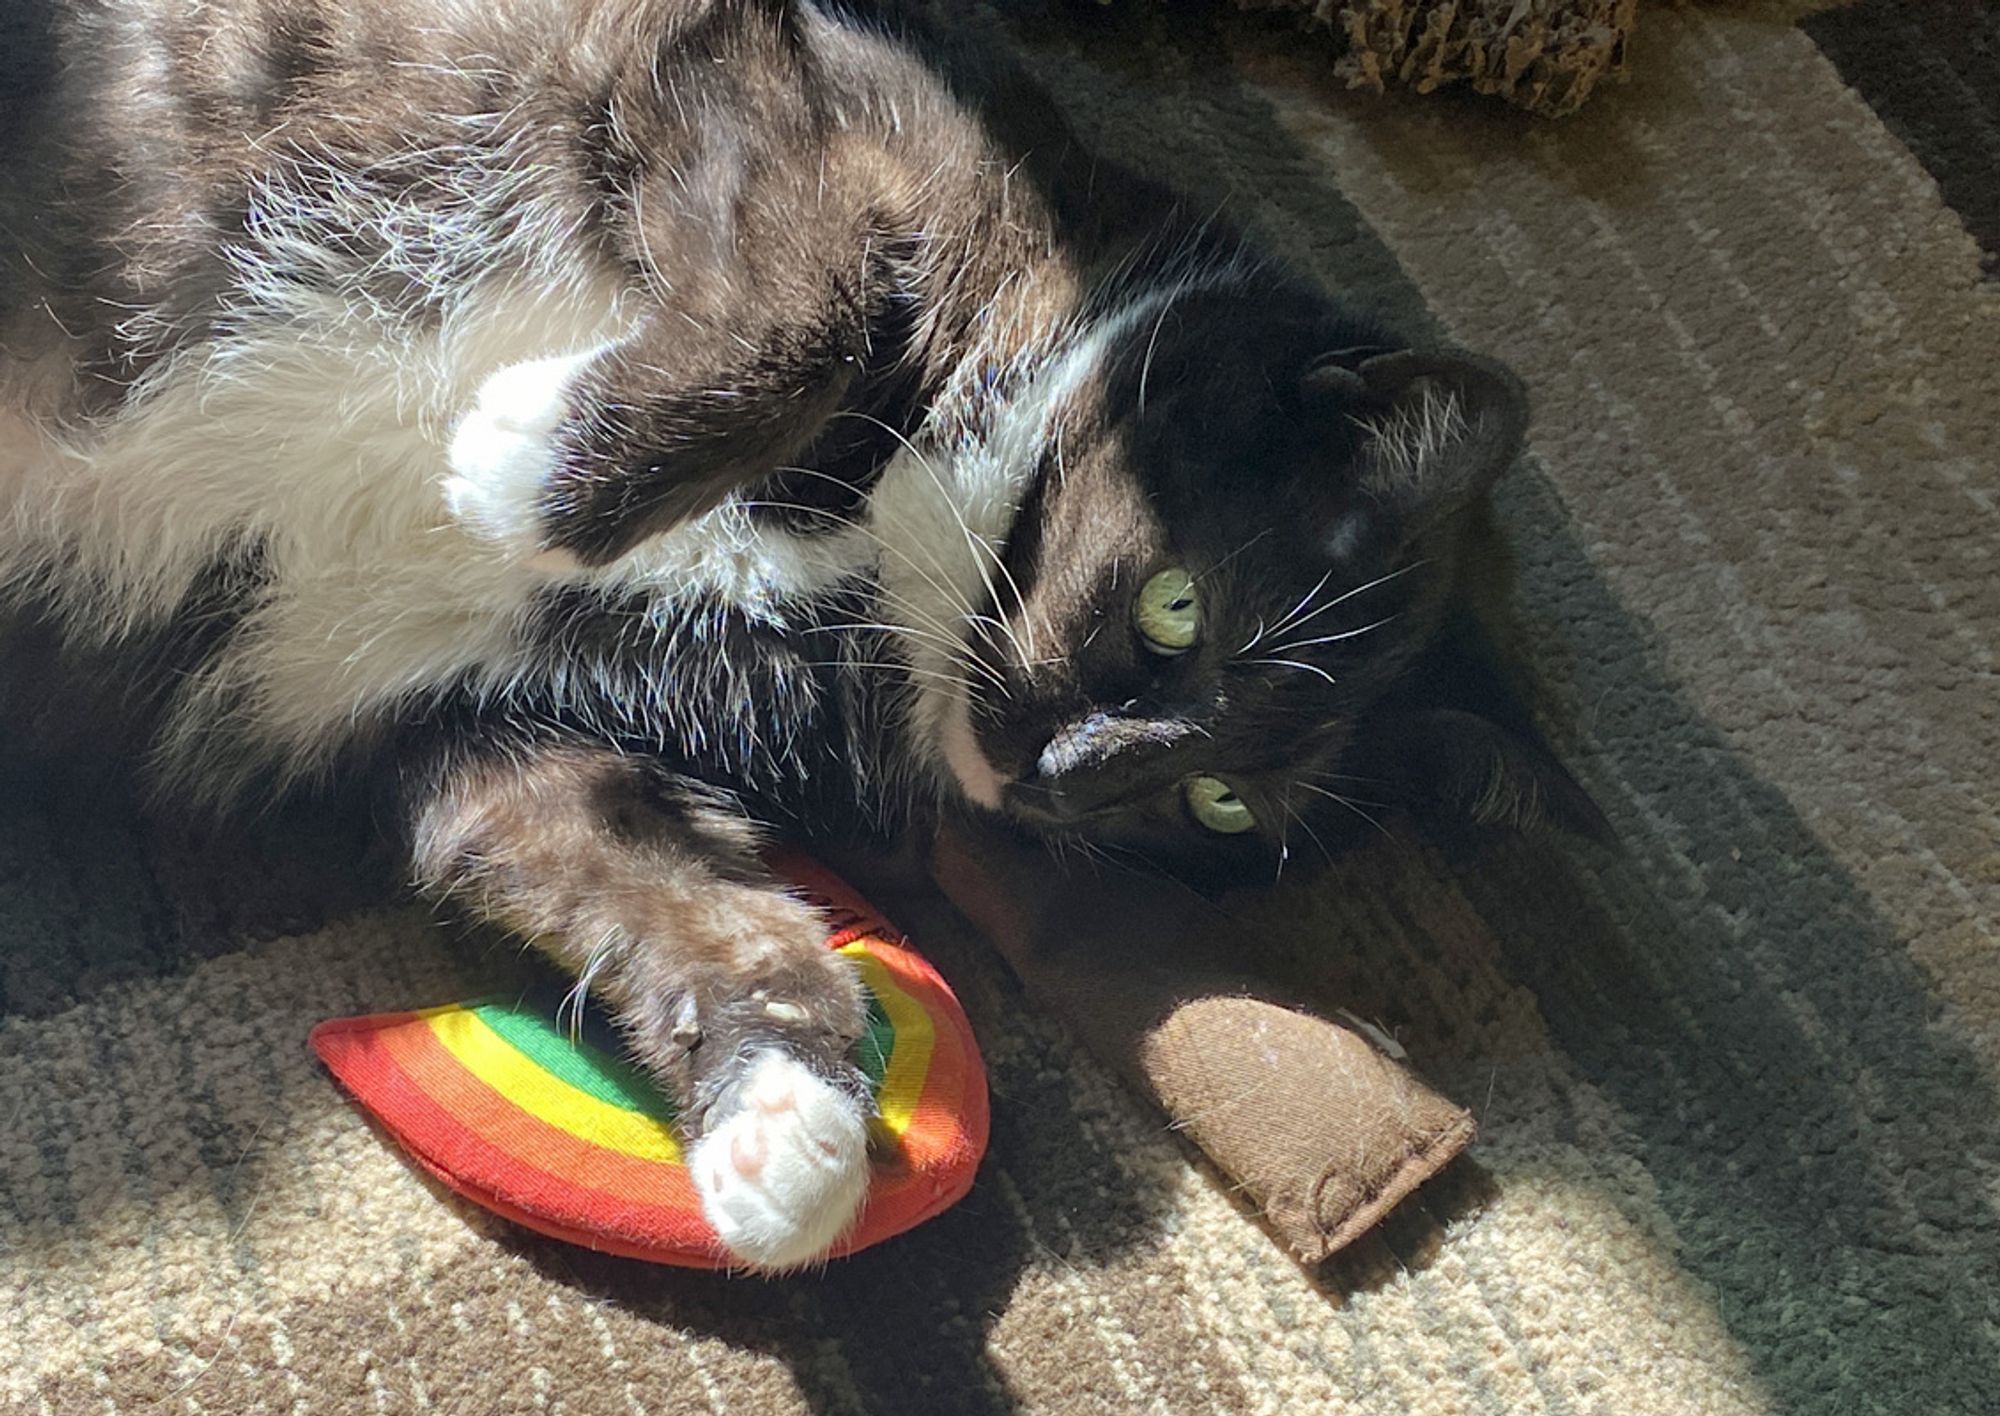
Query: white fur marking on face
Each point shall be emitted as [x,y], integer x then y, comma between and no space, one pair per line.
[944,518]
[785,1176]
[501,457]
[323,438]
[959,746]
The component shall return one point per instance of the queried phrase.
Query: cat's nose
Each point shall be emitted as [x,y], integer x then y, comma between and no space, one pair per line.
[1083,744]
[1061,786]
[1095,761]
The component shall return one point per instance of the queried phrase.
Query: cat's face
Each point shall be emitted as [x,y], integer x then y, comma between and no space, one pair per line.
[1245,531]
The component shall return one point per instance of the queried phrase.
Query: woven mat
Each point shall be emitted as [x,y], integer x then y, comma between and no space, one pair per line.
[1740,1147]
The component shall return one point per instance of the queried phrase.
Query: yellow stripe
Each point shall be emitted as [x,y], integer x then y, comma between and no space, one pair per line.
[550,1099]
[486,1055]
[910,1059]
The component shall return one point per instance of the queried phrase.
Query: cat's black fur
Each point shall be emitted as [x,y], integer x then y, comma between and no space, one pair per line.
[845,261]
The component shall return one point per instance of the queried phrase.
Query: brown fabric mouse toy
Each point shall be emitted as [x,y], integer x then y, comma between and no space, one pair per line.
[1320,1128]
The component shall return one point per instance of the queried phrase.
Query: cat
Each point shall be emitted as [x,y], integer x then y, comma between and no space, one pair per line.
[630,429]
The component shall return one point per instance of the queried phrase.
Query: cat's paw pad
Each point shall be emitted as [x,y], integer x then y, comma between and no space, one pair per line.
[503,453]
[784,1175]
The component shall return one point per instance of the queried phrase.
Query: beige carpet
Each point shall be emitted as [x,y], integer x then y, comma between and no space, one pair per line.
[1740,1147]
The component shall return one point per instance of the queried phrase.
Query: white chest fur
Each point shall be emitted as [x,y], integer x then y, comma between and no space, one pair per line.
[323,440]
[368,463]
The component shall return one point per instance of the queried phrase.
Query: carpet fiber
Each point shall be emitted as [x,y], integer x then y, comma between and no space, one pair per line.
[1740,1151]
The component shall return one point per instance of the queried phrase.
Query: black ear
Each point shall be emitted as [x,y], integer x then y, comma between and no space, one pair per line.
[1439,428]
[1469,769]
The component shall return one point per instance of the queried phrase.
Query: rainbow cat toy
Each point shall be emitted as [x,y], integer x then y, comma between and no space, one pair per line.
[553,1128]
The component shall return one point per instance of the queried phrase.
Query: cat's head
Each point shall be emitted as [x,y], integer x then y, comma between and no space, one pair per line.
[1246,531]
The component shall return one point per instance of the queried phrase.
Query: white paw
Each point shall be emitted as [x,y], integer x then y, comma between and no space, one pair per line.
[501,456]
[785,1176]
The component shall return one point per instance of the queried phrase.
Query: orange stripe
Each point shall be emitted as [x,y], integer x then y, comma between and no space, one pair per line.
[950,1124]
[532,1087]
[603,1173]
[356,1052]
[540,1176]
[660,1209]
[941,1123]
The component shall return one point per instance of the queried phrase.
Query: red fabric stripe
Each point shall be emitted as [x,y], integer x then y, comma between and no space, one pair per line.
[477,1143]
[398,1070]
[951,1113]
[405,1076]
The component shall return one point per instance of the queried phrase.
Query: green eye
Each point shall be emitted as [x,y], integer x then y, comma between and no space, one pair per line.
[1215,805]
[1167,612]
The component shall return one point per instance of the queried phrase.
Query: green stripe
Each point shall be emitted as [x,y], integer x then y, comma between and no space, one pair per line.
[528,1030]
[876,1045]
[524,1024]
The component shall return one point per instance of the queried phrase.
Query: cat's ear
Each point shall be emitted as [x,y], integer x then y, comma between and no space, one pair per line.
[1438,428]
[1467,769]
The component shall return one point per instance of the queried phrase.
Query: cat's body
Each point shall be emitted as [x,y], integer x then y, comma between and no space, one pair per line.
[629,425]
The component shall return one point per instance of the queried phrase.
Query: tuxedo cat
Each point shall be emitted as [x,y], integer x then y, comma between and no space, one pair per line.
[628,427]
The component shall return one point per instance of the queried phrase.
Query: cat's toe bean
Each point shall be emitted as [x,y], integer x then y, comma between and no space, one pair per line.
[779,1010]
[503,453]
[783,1176]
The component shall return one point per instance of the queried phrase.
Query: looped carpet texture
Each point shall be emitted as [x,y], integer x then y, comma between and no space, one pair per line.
[1547,56]
[1736,1091]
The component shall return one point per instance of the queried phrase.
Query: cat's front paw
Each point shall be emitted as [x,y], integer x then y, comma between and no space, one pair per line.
[503,454]
[784,1173]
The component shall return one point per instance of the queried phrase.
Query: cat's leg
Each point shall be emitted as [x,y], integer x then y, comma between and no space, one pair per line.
[647,888]
[571,461]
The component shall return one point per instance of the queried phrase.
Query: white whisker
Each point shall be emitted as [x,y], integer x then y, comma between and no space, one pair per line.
[974,542]
[1342,599]
[1233,555]
[1298,644]
[1305,826]
[1301,667]
[1336,796]
[1286,622]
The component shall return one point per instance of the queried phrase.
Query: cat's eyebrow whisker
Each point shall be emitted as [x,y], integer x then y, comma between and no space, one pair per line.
[1301,667]
[1233,555]
[1323,775]
[1153,340]
[1342,599]
[1336,796]
[1300,614]
[1285,837]
[1287,621]
[1095,853]
[1298,644]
